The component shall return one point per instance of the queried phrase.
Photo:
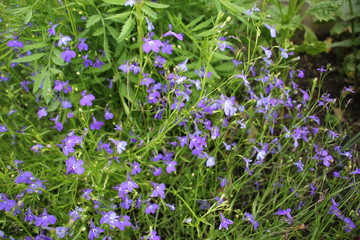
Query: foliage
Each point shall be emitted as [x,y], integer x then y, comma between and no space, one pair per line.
[144,119]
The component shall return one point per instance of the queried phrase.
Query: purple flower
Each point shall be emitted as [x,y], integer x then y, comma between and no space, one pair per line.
[272,30]
[44,220]
[75,214]
[98,63]
[114,220]
[135,168]
[108,115]
[36,147]
[94,231]
[170,167]
[286,212]
[130,3]
[3,128]
[86,99]
[225,222]
[51,30]
[357,171]
[228,105]
[96,125]
[251,219]
[334,208]
[150,26]
[67,55]
[300,166]
[223,181]
[350,224]
[87,62]
[29,216]
[171,33]
[74,167]
[151,208]
[210,162]
[159,190]
[61,231]
[152,45]
[15,43]
[5,203]
[64,40]
[82,45]
[119,145]
[66,104]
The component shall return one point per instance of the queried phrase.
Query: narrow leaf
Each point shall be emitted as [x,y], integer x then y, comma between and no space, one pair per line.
[29,58]
[156,5]
[126,29]
[92,20]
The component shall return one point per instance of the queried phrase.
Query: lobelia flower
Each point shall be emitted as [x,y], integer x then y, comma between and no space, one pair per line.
[119,145]
[44,220]
[159,190]
[357,171]
[76,213]
[3,128]
[224,222]
[249,217]
[96,125]
[98,63]
[151,45]
[135,168]
[15,43]
[58,125]
[82,45]
[150,26]
[74,167]
[171,33]
[152,236]
[286,212]
[108,115]
[223,181]
[87,62]
[29,216]
[5,203]
[51,30]
[64,40]
[130,3]
[94,231]
[151,208]
[61,231]
[36,148]
[67,55]
[86,99]
[170,167]
[272,30]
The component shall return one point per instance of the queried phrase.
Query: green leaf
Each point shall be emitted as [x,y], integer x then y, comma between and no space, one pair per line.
[113,32]
[202,25]
[232,7]
[120,16]
[156,5]
[312,48]
[34,46]
[56,57]
[115,2]
[99,31]
[46,90]
[148,12]
[126,29]
[309,35]
[325,11]
[92,20]
[28,16]
[195,21]
[346,43]
[30,58]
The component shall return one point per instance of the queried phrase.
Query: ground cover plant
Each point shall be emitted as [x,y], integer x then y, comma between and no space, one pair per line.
[157,120]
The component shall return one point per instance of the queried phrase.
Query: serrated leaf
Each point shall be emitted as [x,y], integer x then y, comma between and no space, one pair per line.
[113,32]
[119,16]
[126,29]
[92,20]
[28,16]
[30,58]
[156,5]
[202,25]
[106,48]
[99,31]
[312,48]
[233,7]
[53,106]
[46,90]
[150,13]
[56,57]
[39,79]
[325,11]
[309,35]
[115,2]
[55,71]
[195,21]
